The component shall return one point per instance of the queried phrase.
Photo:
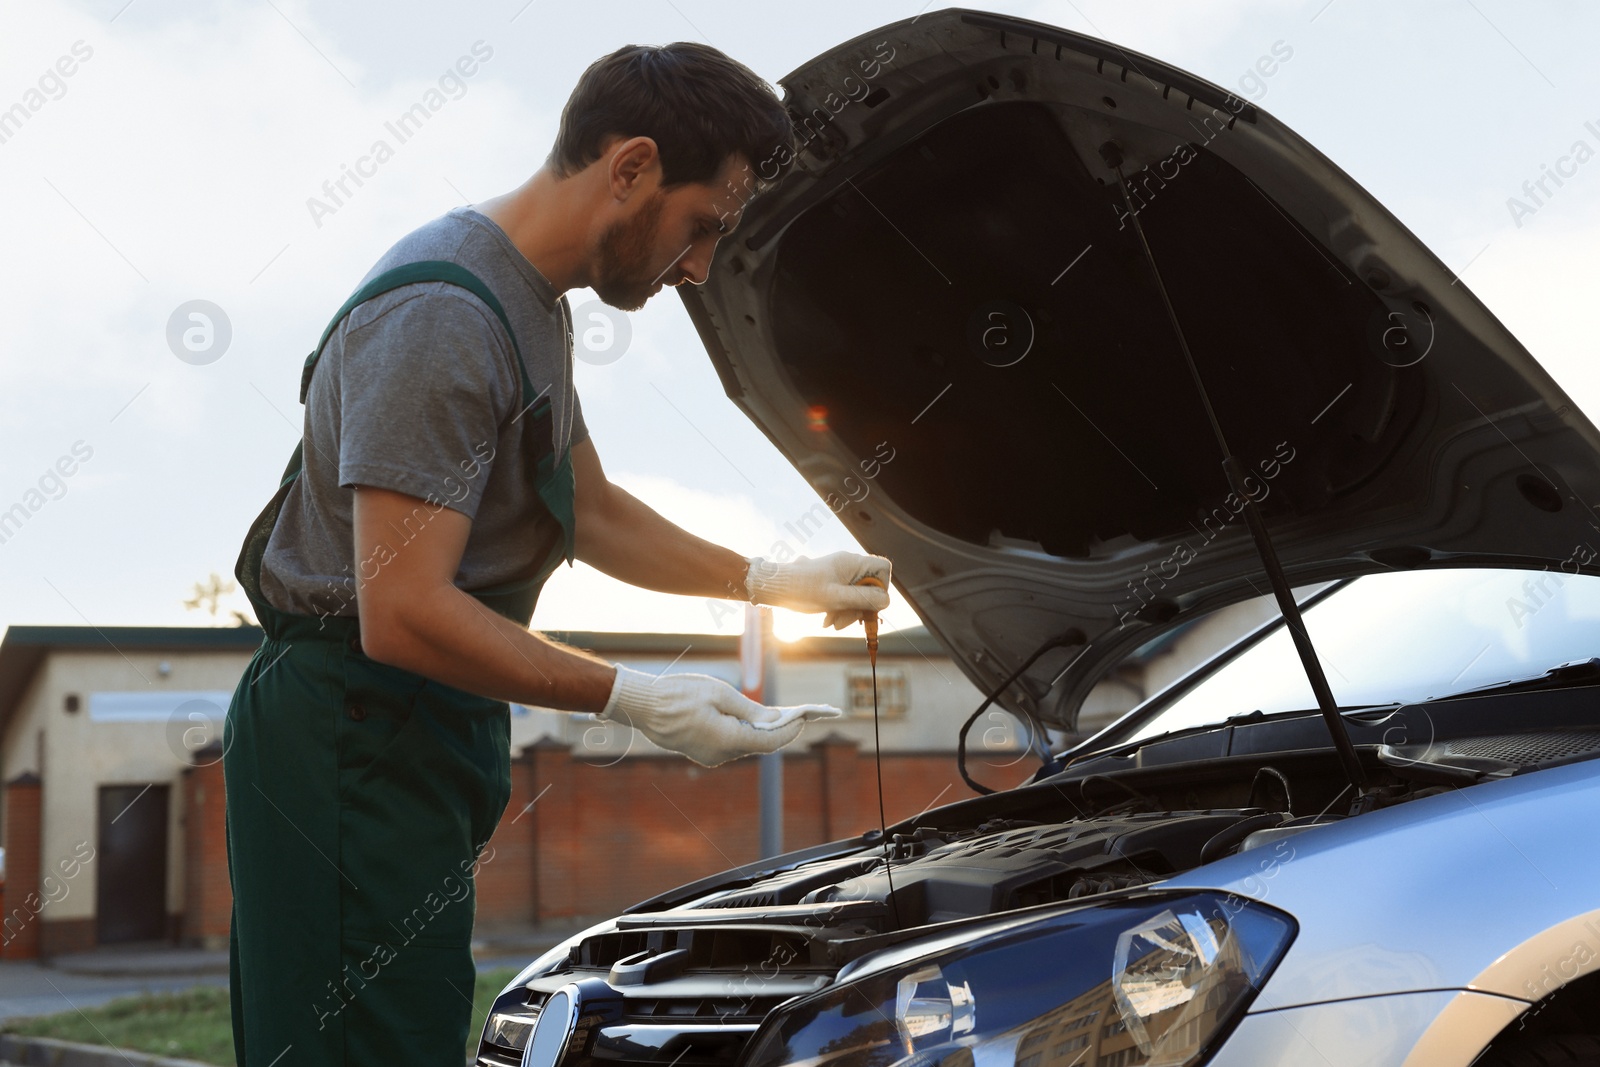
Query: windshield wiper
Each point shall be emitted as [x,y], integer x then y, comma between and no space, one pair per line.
[1575,672]
[1243,718]
[1111,152]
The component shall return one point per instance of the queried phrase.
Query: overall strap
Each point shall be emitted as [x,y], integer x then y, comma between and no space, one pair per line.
[425,270]
[555,484]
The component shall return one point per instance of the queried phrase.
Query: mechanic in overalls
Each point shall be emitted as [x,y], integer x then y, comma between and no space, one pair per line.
[444,472]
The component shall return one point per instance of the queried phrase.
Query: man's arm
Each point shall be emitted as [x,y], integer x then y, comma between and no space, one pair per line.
[414,617]
[620,535]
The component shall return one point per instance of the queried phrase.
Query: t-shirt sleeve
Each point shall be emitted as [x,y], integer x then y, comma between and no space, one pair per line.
[580,432]
[423,389]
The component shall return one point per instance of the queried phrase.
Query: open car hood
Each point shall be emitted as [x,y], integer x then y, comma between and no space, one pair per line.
[942,316]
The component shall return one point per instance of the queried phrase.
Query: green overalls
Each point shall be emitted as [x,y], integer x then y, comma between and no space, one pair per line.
[360,797]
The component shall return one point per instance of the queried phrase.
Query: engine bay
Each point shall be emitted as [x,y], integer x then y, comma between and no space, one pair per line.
[1130,820]
[932,875]
[689,975]
[1062,841]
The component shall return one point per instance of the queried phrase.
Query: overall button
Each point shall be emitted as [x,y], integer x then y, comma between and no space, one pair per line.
[357,711]
[355,643]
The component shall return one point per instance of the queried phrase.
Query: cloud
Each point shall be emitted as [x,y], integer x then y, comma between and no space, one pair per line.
[178,161]
[177,165]
[1539,282]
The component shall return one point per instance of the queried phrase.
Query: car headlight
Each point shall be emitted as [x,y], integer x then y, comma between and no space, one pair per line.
[1141,982]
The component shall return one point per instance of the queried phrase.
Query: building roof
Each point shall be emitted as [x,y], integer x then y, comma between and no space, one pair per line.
[23,648]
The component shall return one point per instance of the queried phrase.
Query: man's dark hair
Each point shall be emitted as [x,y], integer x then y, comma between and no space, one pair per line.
[698,104]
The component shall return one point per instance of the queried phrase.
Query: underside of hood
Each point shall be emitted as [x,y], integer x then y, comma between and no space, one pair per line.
[942,315]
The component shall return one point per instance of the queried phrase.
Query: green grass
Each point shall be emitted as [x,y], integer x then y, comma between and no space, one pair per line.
[193,1024]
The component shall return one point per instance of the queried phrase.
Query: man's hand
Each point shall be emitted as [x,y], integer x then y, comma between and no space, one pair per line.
[825,584]
[702,717]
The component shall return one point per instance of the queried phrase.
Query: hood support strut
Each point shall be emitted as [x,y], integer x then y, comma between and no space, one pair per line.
[1111,152]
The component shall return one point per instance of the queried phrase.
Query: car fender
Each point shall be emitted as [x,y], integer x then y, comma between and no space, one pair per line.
[1489,887]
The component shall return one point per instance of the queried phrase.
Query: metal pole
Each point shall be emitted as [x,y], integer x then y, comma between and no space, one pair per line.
[758,668]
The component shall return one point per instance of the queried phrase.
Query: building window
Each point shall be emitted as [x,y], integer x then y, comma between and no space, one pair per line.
[1069,1046]
[1081,1021]
[892,692]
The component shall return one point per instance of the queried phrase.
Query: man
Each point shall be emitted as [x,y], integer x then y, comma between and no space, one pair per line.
[445,472]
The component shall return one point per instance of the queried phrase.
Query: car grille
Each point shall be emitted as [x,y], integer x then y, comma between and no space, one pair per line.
[689,1031]
[693,988]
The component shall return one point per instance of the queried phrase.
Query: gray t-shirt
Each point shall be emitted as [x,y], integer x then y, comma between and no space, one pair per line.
[417,391]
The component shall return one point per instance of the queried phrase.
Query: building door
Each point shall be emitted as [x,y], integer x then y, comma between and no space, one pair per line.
[131,864]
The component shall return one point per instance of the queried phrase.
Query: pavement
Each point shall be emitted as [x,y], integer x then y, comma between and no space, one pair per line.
[78,980]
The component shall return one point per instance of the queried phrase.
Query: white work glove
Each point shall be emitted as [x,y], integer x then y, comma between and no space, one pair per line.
[823,584]
[702,717]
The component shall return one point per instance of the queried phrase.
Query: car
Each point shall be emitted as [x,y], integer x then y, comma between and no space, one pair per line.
[1157,377]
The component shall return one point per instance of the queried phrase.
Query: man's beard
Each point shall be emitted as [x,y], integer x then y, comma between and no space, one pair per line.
[624,247]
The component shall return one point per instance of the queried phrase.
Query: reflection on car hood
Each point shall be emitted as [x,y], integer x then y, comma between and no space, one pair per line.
[941,315]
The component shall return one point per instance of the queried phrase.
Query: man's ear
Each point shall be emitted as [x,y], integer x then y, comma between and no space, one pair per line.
[631,164]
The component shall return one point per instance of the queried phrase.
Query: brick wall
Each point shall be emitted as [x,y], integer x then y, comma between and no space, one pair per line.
[583,839]
[59,936]
[207,895]
[19,922]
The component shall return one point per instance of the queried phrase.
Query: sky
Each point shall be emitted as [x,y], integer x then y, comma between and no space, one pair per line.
[184,157]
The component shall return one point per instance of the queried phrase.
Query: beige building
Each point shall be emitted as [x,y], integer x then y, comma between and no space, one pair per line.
[104,722]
